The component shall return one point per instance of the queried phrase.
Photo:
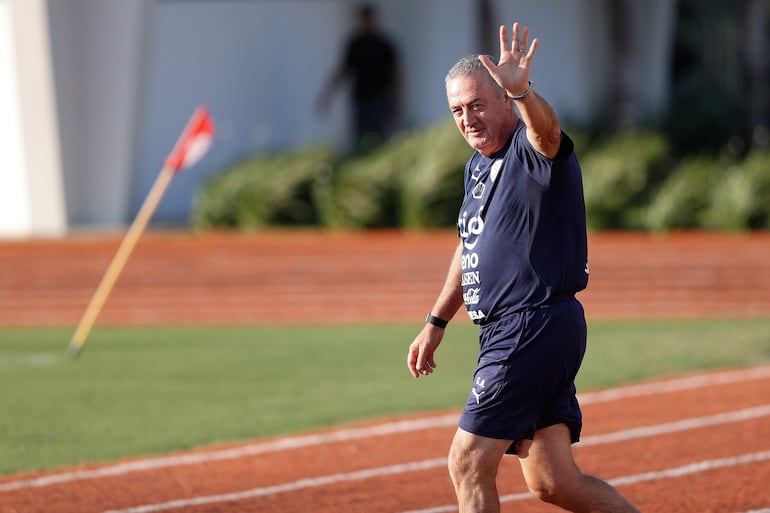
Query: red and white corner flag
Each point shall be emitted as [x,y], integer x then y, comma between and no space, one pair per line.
[191,146]
[194,142]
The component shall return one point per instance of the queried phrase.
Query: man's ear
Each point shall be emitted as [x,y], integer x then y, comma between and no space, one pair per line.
[509,102]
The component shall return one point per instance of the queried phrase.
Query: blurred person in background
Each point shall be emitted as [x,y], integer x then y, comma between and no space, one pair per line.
[370,62]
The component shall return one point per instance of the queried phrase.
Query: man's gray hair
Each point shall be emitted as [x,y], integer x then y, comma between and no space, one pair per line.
[469,65]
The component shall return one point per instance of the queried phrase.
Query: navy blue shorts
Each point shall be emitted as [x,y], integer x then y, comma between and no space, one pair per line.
[525,377]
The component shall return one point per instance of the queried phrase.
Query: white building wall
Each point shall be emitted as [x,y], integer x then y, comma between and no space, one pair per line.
[98,48]
[31,196]
[129,73]
[14,190]
[261,76]
[432,35]
[256,65]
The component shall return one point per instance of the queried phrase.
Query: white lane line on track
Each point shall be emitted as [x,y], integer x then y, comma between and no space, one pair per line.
[390,428]
[675,385]
[685,470]
[692,468]
[236,452]
[679,425]
[441,462]
[288,487]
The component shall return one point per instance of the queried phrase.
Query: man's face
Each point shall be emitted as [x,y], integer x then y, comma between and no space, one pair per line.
[484,119]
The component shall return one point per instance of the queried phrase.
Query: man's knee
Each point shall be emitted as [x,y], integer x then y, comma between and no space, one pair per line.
[549,470]
[545,490]
[474,459]
[461,466]
[571,490]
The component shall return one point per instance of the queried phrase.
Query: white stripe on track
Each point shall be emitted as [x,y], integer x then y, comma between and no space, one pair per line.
[692,468]
[679,425]
[118,469]
[282,444]
[287,487]
[685,470]
[676,385]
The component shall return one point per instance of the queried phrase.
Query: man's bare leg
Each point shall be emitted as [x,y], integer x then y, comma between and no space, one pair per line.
[473,464]
[552,476]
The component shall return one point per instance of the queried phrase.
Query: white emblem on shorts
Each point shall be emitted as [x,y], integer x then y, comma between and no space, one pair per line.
[480,382]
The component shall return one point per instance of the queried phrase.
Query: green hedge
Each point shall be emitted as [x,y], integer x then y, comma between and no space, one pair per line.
[685,195]
[632,180]
[281,189]
[432,183]
[740,199]
[414,180]
[365,188]
[619,174]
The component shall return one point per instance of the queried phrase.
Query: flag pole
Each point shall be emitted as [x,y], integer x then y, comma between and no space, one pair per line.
[119,261]
[198,131]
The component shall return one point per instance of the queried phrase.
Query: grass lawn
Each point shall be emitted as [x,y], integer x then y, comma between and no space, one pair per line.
[144,391]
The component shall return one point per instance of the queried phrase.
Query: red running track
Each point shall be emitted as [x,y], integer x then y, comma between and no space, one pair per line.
[329,277]
[692,444]
[699,444]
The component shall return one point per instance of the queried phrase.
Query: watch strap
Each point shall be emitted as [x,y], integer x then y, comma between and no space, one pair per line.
[436,321]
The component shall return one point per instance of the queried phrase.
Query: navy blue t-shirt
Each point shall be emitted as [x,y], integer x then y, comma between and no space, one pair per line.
[523,229]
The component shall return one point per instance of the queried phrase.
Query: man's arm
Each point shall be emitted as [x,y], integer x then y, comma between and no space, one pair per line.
[420,357]
[451,297]
[543,129]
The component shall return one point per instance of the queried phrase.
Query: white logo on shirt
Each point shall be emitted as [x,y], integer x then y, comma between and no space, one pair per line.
[476,173]
[497,165]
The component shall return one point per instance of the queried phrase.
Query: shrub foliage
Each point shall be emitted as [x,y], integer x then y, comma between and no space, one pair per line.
[632,180]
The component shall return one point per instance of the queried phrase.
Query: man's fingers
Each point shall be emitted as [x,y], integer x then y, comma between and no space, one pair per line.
[522,46]
[503,40]
[420,363]
[532,49]
[425,364]
[411,363]
[489,64]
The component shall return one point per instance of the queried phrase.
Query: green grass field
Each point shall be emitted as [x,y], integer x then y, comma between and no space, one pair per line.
[146,391]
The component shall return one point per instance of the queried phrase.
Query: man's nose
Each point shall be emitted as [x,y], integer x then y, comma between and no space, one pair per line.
[468,117]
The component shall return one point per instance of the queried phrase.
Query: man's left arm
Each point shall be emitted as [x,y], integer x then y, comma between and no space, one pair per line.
[543,128]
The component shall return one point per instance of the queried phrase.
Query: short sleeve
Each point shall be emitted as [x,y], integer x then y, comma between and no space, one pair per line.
[538,165]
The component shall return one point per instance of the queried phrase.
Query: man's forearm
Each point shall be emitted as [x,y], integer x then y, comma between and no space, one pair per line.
[543,129]
[451,297]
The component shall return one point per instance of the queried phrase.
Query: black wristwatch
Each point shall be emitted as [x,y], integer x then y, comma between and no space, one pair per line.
[436,321]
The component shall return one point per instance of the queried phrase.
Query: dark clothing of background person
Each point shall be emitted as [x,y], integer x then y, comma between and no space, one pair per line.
[370,62]
[371,59]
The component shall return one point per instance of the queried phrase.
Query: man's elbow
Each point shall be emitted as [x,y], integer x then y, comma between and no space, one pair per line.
[548,144]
